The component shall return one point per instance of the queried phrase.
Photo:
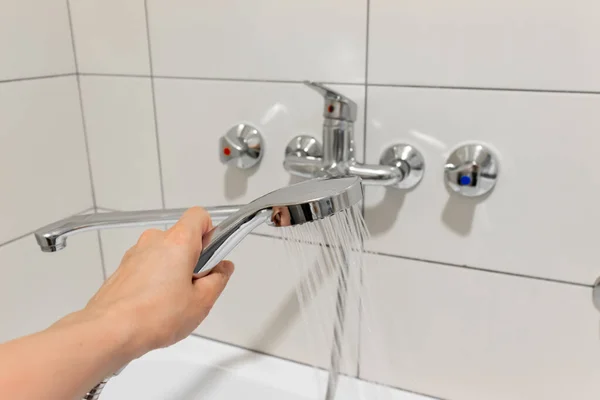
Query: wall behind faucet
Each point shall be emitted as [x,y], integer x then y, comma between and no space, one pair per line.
[471,299]
[44,174]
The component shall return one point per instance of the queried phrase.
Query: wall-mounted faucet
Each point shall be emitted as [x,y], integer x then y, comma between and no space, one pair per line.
[401,165]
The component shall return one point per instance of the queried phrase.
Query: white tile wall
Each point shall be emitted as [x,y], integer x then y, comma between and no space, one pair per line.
[471,335]
[312,39]
[43,167]
[119,117]
[539,220]
[44,174]
[35,39]
[110,36]
[36,288]
[452,332]
[512,44]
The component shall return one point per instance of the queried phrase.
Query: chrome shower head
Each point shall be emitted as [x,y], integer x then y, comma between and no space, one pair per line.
[310,200]
[292,205]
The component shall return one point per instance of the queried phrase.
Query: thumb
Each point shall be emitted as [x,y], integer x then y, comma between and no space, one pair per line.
[209,287]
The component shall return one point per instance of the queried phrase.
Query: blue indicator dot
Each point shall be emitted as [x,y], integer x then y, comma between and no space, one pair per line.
[465,180]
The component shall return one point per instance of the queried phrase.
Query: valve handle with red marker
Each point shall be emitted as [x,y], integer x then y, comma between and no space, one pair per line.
[242,146]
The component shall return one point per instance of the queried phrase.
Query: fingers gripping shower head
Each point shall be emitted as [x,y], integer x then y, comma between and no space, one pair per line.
[292,205]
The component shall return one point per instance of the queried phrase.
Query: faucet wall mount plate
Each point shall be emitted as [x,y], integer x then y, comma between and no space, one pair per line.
[242,146]
[471,170]
[409,160]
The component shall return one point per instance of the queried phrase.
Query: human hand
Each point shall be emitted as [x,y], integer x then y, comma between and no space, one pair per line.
[152,291]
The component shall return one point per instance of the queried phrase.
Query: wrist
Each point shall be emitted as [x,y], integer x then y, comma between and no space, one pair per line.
[122,333]
[112,330]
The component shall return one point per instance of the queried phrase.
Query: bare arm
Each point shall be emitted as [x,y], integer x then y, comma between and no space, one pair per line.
[149,302]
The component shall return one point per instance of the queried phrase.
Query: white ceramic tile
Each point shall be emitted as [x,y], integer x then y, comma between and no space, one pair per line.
[36,288]
[500,43]
[313,39]
[122,140]
[35,39]
[110,36]
[541,217]
[192,115]
[471,335]
[43,166]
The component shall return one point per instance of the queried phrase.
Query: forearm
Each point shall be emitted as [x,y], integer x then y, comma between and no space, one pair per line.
[66,360]
[151,301]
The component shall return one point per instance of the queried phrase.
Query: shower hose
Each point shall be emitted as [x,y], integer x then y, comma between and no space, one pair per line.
[96,391]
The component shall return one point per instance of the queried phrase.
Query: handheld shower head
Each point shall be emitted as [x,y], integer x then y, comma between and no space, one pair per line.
[292,205]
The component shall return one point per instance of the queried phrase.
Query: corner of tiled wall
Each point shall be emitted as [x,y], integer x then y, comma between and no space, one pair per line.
[45,174]
[468,299]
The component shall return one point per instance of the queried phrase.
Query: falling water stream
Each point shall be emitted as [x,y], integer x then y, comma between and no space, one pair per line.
[328,258]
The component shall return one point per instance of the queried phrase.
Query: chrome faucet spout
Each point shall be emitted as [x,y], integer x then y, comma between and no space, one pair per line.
[53,237]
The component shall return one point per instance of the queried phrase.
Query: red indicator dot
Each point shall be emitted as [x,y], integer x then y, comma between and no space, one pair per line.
[227,151]
[330,109]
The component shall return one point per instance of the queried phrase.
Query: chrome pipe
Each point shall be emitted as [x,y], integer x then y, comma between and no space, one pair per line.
[374,174]
[304,166]
[53,237]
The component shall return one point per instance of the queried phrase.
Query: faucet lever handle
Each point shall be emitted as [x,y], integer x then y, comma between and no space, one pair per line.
[337,106]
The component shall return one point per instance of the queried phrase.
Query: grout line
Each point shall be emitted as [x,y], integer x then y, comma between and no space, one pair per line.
[383,85]
[485,88]
[255,80]
[81,108]
[33,78]
[113,75]
[32,232]
[385,385]
[364,158]
[102,263]
[16,239]
[467,267]
[442,263]
[107,209]
[265,235]
[262,353]
[366,89]
[453,265]
[86,210]
[198,78]
[157,138]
